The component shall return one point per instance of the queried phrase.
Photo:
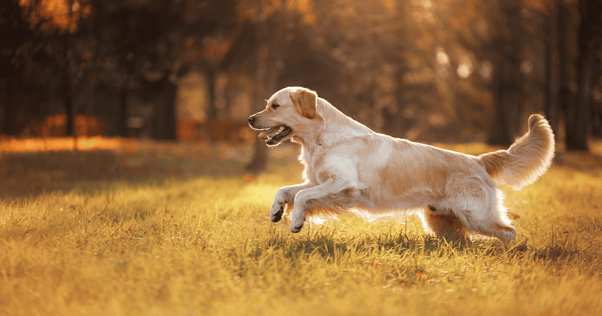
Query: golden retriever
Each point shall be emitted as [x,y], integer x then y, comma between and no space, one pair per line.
[350,168]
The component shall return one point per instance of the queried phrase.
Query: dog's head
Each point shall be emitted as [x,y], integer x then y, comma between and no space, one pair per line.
[288,113]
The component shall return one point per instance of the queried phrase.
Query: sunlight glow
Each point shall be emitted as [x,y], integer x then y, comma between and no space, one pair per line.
[465,69]
[423,16]
[442,58]
[427,4]
[526,67]
[486,70]
[55,14]
[63,143]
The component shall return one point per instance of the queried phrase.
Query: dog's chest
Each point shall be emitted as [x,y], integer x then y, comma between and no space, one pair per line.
[314,162]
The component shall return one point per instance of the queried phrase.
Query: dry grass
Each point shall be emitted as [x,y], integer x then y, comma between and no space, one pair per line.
[176,243]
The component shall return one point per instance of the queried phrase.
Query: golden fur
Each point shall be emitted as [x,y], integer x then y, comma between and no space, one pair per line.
[350,168]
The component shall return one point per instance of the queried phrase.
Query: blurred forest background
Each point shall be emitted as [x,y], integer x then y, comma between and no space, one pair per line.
[194,70]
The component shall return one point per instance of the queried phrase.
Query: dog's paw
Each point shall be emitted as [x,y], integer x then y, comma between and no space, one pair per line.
[296,228]
[297,223]
[276,211]
[510,235]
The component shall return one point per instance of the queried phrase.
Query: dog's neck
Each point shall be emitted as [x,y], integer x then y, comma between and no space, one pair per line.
[333,127]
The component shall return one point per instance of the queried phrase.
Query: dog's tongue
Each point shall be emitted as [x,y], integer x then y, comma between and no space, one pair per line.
[268,134]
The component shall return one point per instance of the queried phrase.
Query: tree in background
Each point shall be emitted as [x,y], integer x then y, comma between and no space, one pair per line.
[15,30]
[445,70]
[272,21]
[508,76]
[36,58]
[589,42]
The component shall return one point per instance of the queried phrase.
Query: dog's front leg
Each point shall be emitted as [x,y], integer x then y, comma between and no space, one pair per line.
[324,194]
[285,195]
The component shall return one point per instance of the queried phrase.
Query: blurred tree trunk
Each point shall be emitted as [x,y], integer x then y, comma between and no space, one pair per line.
[171,120]
[211,106]
[578,116]
[508,78]
[270,37]
[499,134]
[260,160]
[399,124]
[389,126]
[564,59]
[597,119]
[163,93]
[550,81]
[68,81]
[242,43]
[8,114]
[596,103]
[69,106]
[578,120]
[68,94]
[266,78]
[93,78]
[122,110]
[15,30]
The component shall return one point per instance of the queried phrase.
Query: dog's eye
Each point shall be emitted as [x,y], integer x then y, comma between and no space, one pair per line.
[275,105]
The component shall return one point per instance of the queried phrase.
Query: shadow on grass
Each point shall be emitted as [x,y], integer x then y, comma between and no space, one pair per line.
[327,245]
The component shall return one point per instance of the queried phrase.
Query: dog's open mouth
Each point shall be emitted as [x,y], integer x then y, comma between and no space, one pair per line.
[275,135]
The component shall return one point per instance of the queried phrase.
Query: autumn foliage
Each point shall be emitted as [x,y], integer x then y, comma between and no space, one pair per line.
[445,70]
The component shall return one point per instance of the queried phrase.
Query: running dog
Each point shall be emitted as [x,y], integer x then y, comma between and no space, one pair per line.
[350,168]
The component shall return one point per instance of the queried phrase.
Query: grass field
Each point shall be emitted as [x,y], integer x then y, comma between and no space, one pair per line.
[126,239]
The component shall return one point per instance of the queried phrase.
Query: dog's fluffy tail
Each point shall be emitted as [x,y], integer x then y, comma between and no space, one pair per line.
[527,159]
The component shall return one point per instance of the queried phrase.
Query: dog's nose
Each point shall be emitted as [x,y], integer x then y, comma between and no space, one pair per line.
[251,120]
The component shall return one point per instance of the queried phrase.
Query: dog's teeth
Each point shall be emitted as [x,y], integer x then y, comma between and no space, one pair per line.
[280,129]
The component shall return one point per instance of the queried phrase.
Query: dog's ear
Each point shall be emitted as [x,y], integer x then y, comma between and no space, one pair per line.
[305,101]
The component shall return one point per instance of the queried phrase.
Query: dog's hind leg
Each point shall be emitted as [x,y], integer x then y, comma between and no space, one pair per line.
[485,215]
[445,224]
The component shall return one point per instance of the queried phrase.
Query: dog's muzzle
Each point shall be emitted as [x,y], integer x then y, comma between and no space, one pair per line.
[275,135]
[272,135]
[252,120]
